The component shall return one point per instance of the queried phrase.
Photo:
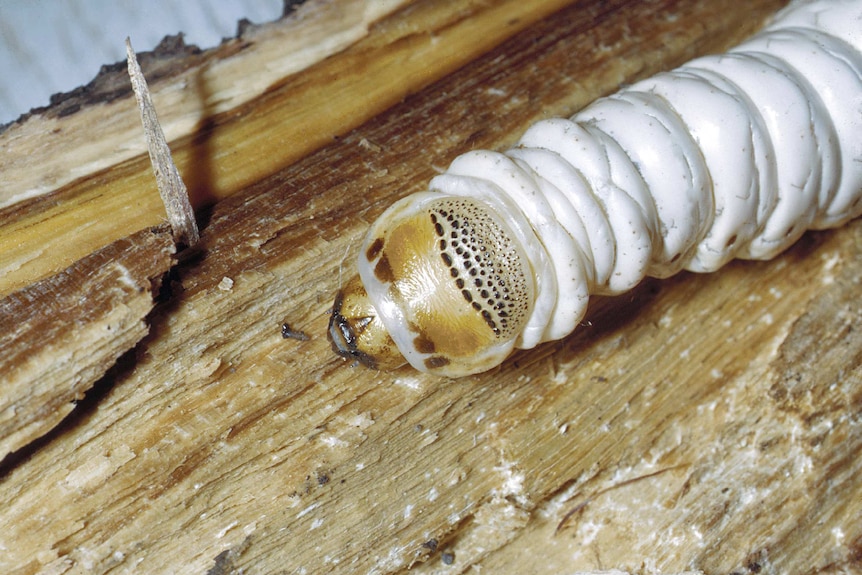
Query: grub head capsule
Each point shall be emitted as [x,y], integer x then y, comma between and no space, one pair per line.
[448,282]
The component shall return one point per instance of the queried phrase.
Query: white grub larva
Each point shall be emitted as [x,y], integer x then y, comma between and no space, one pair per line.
[505,249]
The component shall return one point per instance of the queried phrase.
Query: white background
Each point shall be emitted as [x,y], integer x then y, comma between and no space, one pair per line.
[50,46]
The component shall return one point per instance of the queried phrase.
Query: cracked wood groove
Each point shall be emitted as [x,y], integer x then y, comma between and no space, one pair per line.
[60,335]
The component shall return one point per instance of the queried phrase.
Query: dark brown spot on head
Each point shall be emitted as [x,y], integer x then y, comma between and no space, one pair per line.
[423,344]
[374,249]
[383,271]
[436,362]
[489,320]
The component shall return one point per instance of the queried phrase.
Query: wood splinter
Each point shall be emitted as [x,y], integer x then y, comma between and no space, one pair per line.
[173,191]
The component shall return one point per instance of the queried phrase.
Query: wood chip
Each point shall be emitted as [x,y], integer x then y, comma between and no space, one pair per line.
[181,216]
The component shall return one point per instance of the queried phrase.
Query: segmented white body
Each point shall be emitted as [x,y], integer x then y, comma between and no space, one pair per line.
[728,156]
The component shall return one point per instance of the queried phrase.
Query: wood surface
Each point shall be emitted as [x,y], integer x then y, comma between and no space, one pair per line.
[59,169]
[704,422]
[60,335]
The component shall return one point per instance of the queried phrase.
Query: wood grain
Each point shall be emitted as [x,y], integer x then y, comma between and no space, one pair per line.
[700,423]
[60,335]
[221,150]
